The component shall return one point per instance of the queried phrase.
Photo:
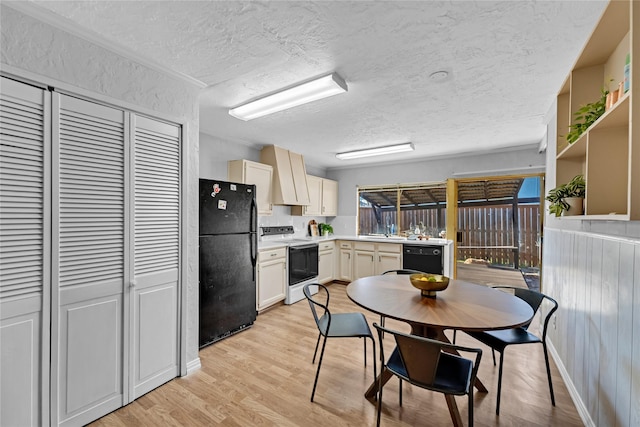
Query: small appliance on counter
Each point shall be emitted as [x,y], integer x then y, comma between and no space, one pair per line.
[228,254]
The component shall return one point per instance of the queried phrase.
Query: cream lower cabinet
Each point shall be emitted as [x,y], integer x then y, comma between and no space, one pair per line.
[326,262]
[388,257]
[364,255]
[371,259]
[345,261]
[272,277]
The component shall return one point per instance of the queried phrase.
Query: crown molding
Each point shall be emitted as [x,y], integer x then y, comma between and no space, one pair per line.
[68,26]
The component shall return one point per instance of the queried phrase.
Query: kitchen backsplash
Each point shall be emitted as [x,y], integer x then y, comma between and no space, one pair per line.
[282,216]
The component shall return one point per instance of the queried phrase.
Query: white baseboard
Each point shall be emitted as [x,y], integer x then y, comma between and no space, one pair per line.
[193,365]
[573,392]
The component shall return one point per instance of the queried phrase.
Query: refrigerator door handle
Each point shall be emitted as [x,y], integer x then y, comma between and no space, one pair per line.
[254,253]
[254,234]
[254,216]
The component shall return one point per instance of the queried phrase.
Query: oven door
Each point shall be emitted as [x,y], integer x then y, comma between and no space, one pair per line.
[303,263]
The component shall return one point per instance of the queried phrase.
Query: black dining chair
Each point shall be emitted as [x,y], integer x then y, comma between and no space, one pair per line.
[429,364]
[336,325]
[499,340]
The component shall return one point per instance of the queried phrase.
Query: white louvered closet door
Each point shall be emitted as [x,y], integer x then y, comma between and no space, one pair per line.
[156,249]
[24,253]
[88,252]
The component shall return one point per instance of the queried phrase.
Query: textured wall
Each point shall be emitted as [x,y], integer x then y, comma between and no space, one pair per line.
[52,55]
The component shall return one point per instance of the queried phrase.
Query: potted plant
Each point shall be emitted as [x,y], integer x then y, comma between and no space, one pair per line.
[325,229]
[586,116]
[567,199]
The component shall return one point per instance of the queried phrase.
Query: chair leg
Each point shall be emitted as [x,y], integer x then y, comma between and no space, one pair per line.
[499,382]
[454,336]
[315,382]
[400,391]
[382,324]
[471,406]
[546,359]
[365,350]
[379,402]
[316,350]
[493,353]
[373,345]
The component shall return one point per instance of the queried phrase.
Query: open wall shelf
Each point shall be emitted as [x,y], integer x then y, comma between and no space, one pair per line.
[608,153]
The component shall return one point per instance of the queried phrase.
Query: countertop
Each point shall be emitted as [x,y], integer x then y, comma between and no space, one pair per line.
[270,244]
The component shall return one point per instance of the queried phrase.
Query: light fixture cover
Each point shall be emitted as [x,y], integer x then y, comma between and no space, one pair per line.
[388,149]
[313,90]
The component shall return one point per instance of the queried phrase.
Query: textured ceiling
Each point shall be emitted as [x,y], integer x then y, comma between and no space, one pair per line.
[506,61]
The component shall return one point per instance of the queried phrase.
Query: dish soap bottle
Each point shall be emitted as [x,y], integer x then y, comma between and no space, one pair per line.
[627,73]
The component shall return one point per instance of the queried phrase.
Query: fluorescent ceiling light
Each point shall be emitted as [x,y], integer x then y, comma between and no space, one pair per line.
[310,91]
[389,149]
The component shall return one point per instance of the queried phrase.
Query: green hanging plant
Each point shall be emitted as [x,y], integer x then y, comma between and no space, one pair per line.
[573,188]
[586,116]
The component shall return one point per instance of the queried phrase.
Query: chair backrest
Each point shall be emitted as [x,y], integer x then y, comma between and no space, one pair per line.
[421,356]
[534,299]
[323,322]
[402,271]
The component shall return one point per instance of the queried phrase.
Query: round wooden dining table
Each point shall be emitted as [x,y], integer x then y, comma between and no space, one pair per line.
[462,306]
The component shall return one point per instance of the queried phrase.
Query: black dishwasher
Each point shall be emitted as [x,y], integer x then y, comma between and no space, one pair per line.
[428,259]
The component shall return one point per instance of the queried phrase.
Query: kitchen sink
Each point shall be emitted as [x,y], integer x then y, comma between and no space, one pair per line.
[382,237]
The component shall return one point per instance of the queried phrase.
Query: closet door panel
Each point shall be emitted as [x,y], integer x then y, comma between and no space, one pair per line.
[156,249]
[24,252]
[89,231]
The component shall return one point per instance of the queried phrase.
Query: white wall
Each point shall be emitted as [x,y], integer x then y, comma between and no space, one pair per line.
[45,54]
[214,155]
[497,163]
[592,268]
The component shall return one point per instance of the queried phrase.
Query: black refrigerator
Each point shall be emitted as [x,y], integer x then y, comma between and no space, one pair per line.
[228,252]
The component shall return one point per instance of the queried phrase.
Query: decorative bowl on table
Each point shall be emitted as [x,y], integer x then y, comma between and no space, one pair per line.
[429,284]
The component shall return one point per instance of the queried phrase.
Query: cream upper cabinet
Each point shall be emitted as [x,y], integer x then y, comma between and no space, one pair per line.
[329,197]
[289,185]
[258,174]
[323,195]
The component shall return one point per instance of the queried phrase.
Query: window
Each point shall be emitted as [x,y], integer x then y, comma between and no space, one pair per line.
[400,209]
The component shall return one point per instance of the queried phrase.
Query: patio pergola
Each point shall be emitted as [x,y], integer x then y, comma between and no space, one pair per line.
[433,197]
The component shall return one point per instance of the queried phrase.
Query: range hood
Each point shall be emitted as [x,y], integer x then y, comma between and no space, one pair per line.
[289,185]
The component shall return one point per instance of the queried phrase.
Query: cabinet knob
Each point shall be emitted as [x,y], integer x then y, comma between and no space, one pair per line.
[133,284]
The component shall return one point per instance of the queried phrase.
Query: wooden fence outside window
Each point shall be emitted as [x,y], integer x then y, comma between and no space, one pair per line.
[485,232]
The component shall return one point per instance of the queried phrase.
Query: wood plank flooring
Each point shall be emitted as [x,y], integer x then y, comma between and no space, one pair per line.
[490,276]
[263,377]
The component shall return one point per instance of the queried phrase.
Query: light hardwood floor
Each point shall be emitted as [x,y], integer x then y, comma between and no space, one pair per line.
[263,377]
[490,276]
